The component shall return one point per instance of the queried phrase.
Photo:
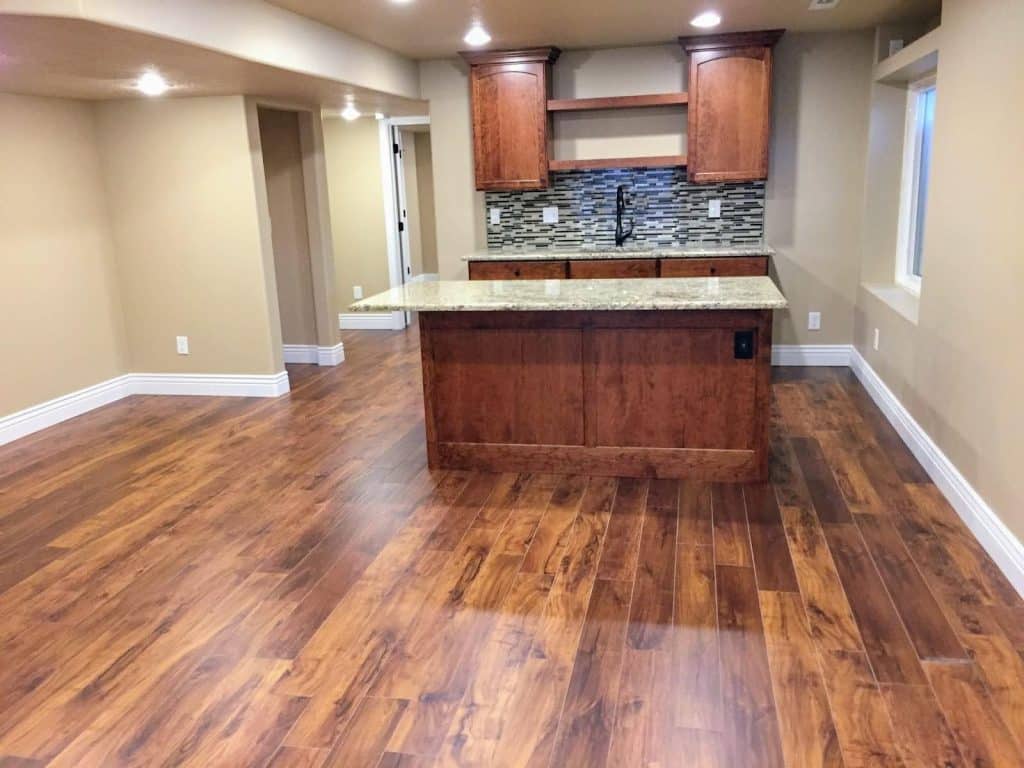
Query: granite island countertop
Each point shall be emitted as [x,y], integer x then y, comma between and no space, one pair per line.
[675,293]
[626,252]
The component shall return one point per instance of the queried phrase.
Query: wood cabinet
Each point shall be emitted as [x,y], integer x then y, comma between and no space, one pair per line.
[731,266]
[718,266]
[509,92]
[600,268]
[517,270]
[729,116]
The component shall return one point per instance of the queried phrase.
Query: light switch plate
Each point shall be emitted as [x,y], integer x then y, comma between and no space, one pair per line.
[814,321]
[357,291]
[714,209]
[551,215]
[182,343]
[495,215]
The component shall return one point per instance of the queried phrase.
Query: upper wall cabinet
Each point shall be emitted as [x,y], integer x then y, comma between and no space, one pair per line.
[730,105]
[511,129]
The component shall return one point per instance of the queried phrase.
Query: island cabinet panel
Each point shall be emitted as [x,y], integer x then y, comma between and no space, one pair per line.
[509,386]
[620,393]
[613,268]
[509,92]
[732,266]
[518,270]
[729,118]
[671,388]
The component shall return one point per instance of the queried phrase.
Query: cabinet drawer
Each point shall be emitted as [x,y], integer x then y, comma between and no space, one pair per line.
[613,268]
[730,266]
[517,270]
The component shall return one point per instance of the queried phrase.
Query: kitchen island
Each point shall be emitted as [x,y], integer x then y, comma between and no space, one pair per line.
[665,377]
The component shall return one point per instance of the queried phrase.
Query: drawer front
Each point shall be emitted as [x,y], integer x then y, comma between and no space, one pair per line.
[517,270]
[723,266]
[613,268]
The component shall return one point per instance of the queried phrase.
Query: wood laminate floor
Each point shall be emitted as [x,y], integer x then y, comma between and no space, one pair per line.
[228,582]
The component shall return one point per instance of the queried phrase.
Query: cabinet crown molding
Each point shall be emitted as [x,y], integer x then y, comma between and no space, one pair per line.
[765,37]
[521,56]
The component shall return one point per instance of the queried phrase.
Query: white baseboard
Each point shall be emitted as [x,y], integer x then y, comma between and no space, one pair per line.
[209,384]
[44,415]
[313,355]
[37,417]
[425,277]
[833,355]
[329,356]
[1000,543]
[300,353]
[371,321]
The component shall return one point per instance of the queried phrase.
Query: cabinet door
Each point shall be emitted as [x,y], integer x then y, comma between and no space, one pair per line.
[600,268]
[510,125]
[516,270]
[731,266]
[729,114]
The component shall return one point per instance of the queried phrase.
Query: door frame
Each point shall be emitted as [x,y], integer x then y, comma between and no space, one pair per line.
[392,176]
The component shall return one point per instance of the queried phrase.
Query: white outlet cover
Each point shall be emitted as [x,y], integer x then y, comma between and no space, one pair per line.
[357,291]
[182,344]
[714,209]
[876,340]
[495,215]
[814,321]
[551,215]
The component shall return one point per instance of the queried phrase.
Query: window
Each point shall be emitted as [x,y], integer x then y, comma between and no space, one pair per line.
[917,160]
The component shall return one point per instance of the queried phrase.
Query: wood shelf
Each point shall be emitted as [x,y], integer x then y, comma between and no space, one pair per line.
[662,161]
[618,102]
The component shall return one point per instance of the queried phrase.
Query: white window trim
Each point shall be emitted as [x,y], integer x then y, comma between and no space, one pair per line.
[905,276]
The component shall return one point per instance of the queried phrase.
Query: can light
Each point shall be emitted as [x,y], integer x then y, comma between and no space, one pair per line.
[350,112]
[477,35]
[706,20]
[152,84]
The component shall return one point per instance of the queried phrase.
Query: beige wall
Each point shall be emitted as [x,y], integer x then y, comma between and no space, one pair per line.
[956,369]
[356,192]
[816,180]
[282,166]
[181,188]
[425,192]
[459,207]
[63,328]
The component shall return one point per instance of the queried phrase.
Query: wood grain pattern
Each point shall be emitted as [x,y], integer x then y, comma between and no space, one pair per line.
[618,102]
[646,161]
[285,583]
[731,266]
[612,268]
[518,270]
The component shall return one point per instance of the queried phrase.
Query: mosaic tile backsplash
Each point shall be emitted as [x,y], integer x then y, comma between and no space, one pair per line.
[667,210]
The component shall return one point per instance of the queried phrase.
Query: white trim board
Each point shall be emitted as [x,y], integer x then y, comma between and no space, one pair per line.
[313,355]
[371,321]
[998,540]
[43,415]
[832,355]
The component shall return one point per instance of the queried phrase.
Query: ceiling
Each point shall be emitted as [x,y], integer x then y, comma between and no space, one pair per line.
[82,59]
[433,28]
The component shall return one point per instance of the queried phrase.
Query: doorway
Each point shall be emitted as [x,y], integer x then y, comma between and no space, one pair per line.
[286,156]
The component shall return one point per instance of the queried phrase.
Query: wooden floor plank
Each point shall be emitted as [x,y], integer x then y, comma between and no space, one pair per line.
[922,735]
[772,561]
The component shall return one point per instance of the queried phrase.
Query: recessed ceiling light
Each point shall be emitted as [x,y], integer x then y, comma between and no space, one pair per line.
[706,19]
[152,84]
[350,112]
[477,35]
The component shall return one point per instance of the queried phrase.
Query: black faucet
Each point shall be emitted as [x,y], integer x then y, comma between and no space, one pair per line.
[620,208]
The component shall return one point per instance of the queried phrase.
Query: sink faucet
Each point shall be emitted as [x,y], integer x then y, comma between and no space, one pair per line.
[620,208]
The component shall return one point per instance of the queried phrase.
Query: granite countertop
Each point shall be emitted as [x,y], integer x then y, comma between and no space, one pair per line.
[553,295]
[610,252]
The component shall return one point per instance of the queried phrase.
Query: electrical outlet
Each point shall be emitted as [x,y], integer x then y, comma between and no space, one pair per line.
[814,321]
[495,216]
[551,215]
[714,209]
[357,291]
[875,341]
[182,342]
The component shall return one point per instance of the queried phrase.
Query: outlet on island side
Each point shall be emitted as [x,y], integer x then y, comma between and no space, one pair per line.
[814,321]
[357,291]
[182,344]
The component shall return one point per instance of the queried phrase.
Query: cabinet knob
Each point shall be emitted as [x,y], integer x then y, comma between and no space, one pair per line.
[714,270]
